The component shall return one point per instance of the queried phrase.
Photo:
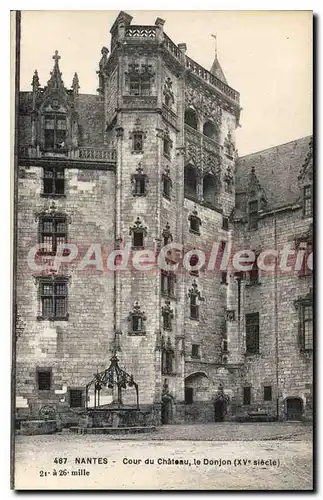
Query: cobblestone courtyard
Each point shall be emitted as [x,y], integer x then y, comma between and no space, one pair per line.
[249,456]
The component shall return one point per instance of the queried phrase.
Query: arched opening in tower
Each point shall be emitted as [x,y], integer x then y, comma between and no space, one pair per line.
[209,129]
[190,181]
[209,189]
[191,118]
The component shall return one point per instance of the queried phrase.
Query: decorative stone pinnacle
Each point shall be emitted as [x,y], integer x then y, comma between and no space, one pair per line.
[75,84]
[35,83]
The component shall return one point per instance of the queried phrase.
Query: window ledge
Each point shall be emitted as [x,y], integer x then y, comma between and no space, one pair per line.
[137,334]
[139,195]
[169,374]
[137,248]
[252,284]
[194,319]
[166,196]
[167,156]
[165,294]
[195,232]
[53,318]
[54,150]
[196,358]
[52,195]
[252,353]
[133,152]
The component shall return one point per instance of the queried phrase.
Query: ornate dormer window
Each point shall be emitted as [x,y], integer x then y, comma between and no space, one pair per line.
[137,137]
[195,297]
[167,144]
[138,233]
[54,127]
[253,208]
[305,180]
[139,79]
[195,222]
[168,315]
[256,199]
[168,357]
[136,319]
[139,182]
[168,93]
[167,183]
[308,201]
[55,132]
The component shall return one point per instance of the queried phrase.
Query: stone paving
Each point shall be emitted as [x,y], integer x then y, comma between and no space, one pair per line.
[245,456]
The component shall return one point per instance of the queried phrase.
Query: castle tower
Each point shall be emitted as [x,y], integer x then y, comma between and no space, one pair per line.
[173,123]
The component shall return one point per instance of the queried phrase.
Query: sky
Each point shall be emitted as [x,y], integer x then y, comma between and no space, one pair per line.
[265,55]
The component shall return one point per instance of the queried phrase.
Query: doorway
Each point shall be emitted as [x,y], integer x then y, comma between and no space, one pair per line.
[294,409]
[219,410]
[166,411]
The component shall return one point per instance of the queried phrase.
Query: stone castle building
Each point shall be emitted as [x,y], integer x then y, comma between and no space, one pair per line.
[149,160]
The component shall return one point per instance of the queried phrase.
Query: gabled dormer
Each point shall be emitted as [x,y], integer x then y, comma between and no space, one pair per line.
[305,182]
[256,199]
[54,119]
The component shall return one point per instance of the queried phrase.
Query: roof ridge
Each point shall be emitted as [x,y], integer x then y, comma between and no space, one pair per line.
[276,146]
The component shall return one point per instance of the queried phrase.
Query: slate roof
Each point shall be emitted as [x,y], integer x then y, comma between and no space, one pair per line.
[277,170]
[217,71]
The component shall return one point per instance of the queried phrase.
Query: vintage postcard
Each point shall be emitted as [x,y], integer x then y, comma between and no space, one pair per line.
[163,265]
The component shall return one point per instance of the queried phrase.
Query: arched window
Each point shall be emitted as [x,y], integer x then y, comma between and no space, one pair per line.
[209,189]
[191,118]
[190,181]
[209,130]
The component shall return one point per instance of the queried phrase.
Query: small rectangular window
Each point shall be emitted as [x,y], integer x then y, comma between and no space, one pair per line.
[138,239]
[76,398]
[54,182]
[140,186]
[224,277]
[246,395]
[267,393]
[167,322]
[195,351]
[224,345]
[252,333]
[194,308]
[225,223]
[166,187]
[167,147]
[254,273]
[307,326]
[55,132]
[195,225]
[137,142]
[44,380]
[167,284]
